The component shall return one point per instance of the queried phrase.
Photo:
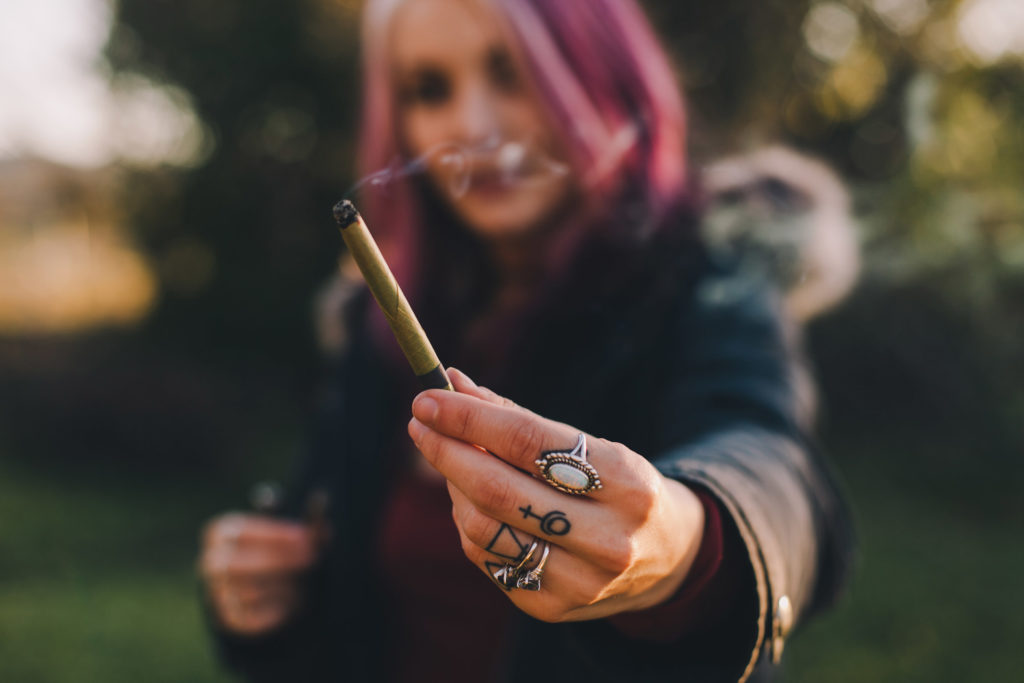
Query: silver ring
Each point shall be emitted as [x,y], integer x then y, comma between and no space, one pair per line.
[528,554]
[569,471]
[531,580]
[509,574]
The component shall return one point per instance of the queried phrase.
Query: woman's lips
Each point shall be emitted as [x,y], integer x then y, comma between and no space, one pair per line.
[492,183]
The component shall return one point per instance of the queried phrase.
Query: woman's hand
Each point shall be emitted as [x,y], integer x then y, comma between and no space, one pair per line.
[626,546]
[252,566]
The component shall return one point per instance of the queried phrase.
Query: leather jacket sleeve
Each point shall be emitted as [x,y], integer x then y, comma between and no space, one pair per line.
[736,418]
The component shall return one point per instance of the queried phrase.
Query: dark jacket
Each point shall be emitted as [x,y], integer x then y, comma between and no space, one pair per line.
[694,370]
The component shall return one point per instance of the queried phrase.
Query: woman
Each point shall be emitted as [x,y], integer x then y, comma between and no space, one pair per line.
[550,249]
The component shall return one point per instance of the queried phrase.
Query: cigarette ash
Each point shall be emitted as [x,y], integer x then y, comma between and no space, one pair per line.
[345,213]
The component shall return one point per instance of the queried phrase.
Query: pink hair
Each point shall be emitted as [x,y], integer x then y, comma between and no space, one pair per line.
[608,87]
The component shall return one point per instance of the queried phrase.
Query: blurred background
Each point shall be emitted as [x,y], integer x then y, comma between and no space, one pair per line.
[166,174]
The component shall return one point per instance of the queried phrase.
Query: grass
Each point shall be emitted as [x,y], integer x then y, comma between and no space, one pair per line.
[97,580]
[136,627]
[935,595]
[97,583]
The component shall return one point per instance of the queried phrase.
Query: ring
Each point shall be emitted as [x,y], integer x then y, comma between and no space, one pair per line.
[531,580]
[527,555]
[569,471]
[509,575]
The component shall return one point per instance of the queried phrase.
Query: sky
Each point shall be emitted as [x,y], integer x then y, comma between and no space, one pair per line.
[58,101]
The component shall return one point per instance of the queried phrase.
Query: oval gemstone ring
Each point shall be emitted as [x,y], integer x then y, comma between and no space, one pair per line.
[569,471]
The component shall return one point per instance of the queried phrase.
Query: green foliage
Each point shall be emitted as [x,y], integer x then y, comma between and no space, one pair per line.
[242,240]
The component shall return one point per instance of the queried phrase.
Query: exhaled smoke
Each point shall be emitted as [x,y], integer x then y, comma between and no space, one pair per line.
[456,167]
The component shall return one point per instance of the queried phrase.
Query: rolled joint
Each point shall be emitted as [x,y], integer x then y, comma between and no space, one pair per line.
[345,213]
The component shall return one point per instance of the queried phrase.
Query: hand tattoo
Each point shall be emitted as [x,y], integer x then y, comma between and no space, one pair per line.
[507,544]
[554,523]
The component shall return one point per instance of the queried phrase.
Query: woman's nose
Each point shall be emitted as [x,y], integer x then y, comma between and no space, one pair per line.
[477,116]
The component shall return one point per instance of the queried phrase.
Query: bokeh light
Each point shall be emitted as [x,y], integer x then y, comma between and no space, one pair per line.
[166,174]
[992,30]
[60,103]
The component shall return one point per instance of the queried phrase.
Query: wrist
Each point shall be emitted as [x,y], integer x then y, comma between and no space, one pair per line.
[699,598]
[687,522]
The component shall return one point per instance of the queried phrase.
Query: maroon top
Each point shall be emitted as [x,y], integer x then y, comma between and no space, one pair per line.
[452,620]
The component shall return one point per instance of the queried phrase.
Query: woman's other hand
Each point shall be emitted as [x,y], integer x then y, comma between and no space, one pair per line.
[623,547]
[253,567]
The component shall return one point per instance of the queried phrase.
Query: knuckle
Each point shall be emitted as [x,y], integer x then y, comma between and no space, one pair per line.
[496,494]
[643,494]
[525,439]
[639,482]
[469,548]
[432,446]
[617,556]
[465,419]
[489,395]
[477,527]
[623,456]
[457,417]
[496,398]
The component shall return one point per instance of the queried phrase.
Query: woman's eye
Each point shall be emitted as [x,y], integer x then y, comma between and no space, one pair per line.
[502,71]
[428,87]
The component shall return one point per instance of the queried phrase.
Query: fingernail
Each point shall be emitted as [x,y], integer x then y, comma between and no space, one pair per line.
[425,408]
[416,430]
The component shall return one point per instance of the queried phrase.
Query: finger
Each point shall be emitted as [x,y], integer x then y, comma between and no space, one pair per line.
[463,384]
[264,617]
[569,589]
[253,605]
[251,591]
[596,533]
[254,618]
[246,530]
[520,437]
[254,561]
[490,563]
[591,539]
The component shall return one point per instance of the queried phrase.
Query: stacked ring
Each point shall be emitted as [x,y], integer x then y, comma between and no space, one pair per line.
[531,580]
[512,576]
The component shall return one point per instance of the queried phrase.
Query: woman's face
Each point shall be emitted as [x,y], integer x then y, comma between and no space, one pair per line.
[465,104]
